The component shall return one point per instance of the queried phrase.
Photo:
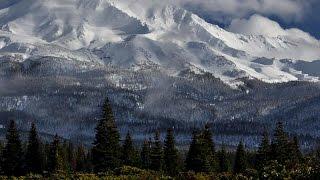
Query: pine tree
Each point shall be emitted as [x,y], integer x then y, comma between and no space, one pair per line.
[295,154]
[223,161]
[263,153]
[68,156]
[106,149]
[55,157]
[209,149]
[80,159]
[89,165]
[195,160]
[171,157]
[71,157]
[59,163]
[296,148]
[280,144]
[240,163]
[145,154]
[316,151]
[34,158]
[64,152]
[156,156]
[12,153]
[129,154]
[201,155]
[46,155]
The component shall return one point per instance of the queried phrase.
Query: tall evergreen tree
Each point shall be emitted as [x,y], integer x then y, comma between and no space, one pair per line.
[64,152]
[46,156]
[80,159]
[55,157]
[223,160]
[294,151]
[89,165]
[71,156]
[195,160]
[106,149]
[129,154]
[34,158]
[145,154]
[280,144]
[171,157]
[156,156]
[263,153]
[12,153]
[240,163]
[209,148]
[201,155]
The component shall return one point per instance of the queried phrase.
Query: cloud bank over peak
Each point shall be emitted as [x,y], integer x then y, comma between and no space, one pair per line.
[289,13]
[259,25]
[287,10]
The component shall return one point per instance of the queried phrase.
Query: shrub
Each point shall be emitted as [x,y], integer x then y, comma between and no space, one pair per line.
[128,170]
[80,176]
[274,170]
[196,176]
[225,176]
[251,173]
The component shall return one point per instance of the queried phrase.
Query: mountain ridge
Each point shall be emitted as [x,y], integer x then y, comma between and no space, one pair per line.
[92,24]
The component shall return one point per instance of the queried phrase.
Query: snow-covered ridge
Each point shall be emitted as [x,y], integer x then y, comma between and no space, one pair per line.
[129,34]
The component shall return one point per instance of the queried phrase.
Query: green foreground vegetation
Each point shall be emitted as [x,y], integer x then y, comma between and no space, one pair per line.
[278,157]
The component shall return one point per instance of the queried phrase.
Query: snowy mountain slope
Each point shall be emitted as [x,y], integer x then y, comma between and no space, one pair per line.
[169,18]
[159,34]
[171,23]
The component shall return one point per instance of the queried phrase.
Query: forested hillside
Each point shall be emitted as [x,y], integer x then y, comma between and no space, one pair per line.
[112,156]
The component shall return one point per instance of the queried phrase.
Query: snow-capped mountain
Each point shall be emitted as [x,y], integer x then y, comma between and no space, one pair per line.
[159,63]
[129,34]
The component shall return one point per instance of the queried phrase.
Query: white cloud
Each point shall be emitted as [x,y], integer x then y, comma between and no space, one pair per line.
[259,25]
[288,10]
[256,25]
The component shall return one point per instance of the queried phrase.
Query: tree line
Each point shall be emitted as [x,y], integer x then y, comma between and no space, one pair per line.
[276,157]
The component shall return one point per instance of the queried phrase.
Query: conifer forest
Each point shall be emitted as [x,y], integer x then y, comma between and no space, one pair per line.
[111,156]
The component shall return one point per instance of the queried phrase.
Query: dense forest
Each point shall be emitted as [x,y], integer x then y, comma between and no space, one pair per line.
[113,157]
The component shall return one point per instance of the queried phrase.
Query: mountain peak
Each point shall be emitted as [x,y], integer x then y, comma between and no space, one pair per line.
[167,35]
